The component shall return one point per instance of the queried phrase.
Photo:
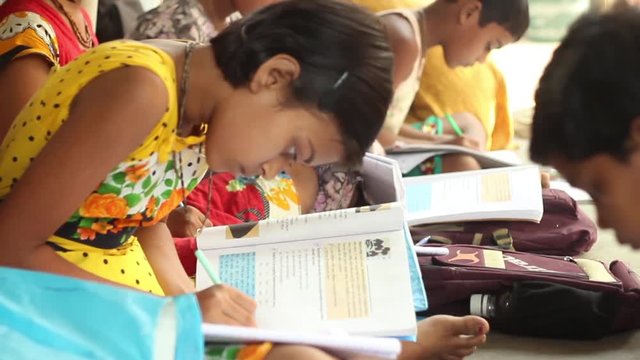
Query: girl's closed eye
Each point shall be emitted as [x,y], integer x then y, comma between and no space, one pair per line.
[292,153]
[489,47]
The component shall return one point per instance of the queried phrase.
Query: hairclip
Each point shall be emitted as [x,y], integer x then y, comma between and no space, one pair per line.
[341,79]
[243,31]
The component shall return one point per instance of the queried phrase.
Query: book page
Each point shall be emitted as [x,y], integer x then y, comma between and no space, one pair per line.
[375,218]
[411,155]
[358,283]
[345,347]
[383,183]
[510,193]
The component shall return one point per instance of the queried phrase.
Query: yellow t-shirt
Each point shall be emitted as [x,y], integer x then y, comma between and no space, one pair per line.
[479,90]
[140,191]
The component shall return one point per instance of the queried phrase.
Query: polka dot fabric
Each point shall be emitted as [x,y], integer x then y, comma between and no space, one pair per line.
[140,191]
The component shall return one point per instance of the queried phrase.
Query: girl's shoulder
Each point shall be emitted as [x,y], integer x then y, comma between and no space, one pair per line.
[114,55]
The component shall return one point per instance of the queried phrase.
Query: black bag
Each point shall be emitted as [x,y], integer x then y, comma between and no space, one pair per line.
[558,297]
[563,230]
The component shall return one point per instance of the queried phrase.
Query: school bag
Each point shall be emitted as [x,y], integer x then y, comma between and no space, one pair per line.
[563,230]
[551,296]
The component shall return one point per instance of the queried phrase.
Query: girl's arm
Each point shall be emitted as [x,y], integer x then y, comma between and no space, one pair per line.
[27,74]
[160,250]
[107,121]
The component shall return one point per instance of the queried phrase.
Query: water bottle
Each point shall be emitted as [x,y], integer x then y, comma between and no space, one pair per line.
[497,308]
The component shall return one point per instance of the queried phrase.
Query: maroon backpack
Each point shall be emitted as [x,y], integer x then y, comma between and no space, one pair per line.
[553,296]
[563,230]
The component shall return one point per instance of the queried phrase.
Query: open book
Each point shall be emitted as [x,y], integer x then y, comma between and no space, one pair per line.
[345,269]
[410,156]
[383,184]
[509,193]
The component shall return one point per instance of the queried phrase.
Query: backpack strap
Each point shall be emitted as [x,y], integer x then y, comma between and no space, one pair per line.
[503,239]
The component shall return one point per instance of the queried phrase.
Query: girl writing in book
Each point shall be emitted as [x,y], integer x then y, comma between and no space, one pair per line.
[116,139]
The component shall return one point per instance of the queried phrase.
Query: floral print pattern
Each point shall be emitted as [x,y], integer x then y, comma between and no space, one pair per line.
[175,19]
[29,31]
[337,188]
[134,194]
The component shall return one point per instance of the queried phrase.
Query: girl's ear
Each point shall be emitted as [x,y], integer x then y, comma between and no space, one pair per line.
[634,133]
[469,13]
[633,141]
[277,73]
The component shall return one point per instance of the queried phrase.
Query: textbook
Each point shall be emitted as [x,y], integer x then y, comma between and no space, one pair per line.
[410,156]
[339,344]
[508,193]
[382,183]
[345,269]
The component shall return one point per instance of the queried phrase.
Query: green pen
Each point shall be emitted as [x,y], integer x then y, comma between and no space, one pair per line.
[213,275]
[454,125]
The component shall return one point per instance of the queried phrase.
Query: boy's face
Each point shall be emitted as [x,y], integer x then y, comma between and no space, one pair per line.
[467,42]
[474,44]
[614,187]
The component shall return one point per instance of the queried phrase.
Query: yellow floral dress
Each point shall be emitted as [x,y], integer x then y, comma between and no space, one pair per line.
[140,191]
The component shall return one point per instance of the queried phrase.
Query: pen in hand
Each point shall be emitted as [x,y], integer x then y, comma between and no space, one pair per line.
[213,275]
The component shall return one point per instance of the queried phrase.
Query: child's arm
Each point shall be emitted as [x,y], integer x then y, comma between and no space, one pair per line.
[473,133]
[405,52]
[158,246]
[87,146]
[31,73]
[404,46]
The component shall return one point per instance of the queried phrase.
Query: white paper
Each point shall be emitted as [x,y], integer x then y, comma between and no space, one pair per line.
[410,156]
[510,193]
[579,195]
[346,347]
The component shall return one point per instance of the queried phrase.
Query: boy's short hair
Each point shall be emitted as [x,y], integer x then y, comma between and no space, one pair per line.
[513,15]
[590,91]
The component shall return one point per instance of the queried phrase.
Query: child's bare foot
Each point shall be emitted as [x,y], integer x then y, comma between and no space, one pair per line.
[450,337]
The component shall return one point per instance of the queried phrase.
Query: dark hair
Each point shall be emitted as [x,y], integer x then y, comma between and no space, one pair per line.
[590,91]
[343,52]
[513,15]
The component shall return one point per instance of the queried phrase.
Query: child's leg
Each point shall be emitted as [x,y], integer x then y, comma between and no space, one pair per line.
[444,336]
[453,163]
[295,352]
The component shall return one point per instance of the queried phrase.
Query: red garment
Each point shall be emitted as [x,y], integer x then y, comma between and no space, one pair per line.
[227,207]
[69,47]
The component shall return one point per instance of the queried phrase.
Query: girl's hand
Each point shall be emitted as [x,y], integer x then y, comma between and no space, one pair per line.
[186,221]
[463,140]
[222,304]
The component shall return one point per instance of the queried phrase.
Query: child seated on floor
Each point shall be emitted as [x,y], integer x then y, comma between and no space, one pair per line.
[467,31]
[88,174]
